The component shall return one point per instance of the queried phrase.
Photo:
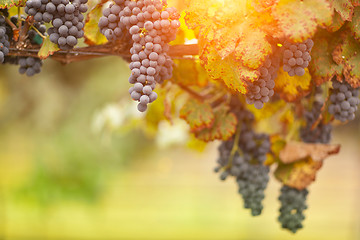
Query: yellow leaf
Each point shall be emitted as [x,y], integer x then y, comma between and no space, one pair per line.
[292,88]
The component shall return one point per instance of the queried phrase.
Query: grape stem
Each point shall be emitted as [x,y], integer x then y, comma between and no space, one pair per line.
[96,51]
[235,149]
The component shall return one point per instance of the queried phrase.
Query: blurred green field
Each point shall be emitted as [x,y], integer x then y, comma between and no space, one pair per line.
[64,176]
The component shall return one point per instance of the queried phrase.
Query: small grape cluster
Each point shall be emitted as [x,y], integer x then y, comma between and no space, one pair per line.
[110,24]
[152,25]
[4,39]
[248,167]
[297,57]
[66,18]
[321,133]
[344,101]
[260,91]
[293,203]
[30,65]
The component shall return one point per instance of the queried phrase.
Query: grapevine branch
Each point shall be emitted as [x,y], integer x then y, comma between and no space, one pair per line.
[95,51]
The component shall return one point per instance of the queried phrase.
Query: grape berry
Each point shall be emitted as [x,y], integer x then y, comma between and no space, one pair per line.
[296,57]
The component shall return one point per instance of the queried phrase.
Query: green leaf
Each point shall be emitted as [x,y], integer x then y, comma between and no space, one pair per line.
[355,24]
[223,128]
[347,54]
[198,115]
[92,33]
[344,8]
[299,19]
[10,3]
[322,66]
[47,48]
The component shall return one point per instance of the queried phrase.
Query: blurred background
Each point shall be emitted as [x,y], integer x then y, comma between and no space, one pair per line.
[77,161]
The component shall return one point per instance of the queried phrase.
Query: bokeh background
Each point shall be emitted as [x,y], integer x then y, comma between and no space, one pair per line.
[78,162]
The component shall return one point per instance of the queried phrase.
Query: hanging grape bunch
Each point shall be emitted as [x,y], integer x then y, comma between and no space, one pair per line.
[297,57]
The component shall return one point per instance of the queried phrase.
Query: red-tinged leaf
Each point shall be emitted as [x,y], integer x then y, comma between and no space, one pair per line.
[292,88]
[344,8]
[347,54]
[253,48]
[352,71]
[298,175]
[336,24]
[355,3]
[47,48]
[198,115]
[261,6]
[355,24]
[223,128]
[92,33]
[225,41]
[322,66]
[299,19]
[11,3]
[295,151]
[232,72]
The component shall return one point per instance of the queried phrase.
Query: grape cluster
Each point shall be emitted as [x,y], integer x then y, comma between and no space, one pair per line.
[297,57]
[344,101]
[66,18]
[293,203]
[260,91]
[152,25]
[321,132]
[248,167]
[30,65]
[4,39]
[110,24]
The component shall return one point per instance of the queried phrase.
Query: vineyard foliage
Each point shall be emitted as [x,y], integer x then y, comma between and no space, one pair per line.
[237,42]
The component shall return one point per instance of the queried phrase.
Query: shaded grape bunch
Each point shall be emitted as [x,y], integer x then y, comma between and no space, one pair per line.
[247,168]
[321,133]
[344,101]
[4,39]
[151,25]
[110,24]
[296,57]
[68,22]
[29,65]
[293,203]
[260,91]
[42,10]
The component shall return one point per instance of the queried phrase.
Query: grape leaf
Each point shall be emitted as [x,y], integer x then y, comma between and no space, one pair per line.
[298,175]
[11,3]
[355,3]
[92,33]
[198,115]
[225,41]
[233,73]
[292,88]
[322,66]
[295,151]
[347,54]
[223,128]
[299,19]
[47,48]
[261,6]
[355,24]
[253,48]
[277,144]
[336,24]
[344,8]
[188,72]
